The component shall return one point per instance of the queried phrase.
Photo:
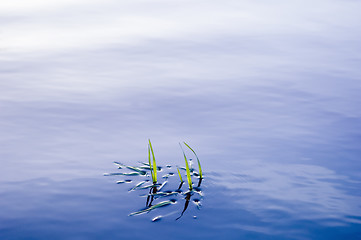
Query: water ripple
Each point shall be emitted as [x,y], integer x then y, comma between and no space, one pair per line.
[303,192]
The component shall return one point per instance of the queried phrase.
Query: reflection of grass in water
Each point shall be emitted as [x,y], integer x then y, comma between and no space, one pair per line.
[187,198]
[155,187]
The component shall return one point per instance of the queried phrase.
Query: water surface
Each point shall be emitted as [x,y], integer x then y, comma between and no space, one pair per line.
[267,95]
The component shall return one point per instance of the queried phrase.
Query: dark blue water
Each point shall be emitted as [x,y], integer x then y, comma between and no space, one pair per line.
[267,94]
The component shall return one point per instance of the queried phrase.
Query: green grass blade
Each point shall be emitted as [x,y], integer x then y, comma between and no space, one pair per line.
[199,163]
[189,179]
[154,166]
[150,163]
[180,176]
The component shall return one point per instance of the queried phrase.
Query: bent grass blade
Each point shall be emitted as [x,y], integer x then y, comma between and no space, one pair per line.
[189,179]
[199,163]
[154,166]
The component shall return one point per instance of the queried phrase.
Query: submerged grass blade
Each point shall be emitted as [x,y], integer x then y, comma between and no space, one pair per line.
[189,179]
[180,176]
[145,167]
[154,166]
[161,204]
[148,168]
[164,194]
[137,186]
[199,163]
[121,165]
[136,169]
[157,218]
[124,174]
[150,186]
[161,186]
[146,164]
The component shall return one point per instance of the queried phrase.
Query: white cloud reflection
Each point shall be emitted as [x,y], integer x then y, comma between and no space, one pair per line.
[57,25]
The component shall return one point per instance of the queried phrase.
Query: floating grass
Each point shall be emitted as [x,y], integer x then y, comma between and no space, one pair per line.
[189,179]
[161,186]
[164,194]
[124,181]
[154,188]
[124,174]
[137,170]
[199,163]
[157,218]
[153,165]
[150,186]
[140,171]
[161,204]
[146,166]
[119,165]
[137,186]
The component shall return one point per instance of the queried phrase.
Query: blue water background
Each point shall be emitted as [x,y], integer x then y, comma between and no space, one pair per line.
[267,94]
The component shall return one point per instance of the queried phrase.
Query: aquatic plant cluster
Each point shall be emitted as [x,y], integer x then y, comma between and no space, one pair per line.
[157,197]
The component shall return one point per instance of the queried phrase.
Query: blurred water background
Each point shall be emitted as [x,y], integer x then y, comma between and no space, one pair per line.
[267,93]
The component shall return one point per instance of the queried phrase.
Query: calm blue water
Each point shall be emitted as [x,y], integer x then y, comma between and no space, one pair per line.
[267,94]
